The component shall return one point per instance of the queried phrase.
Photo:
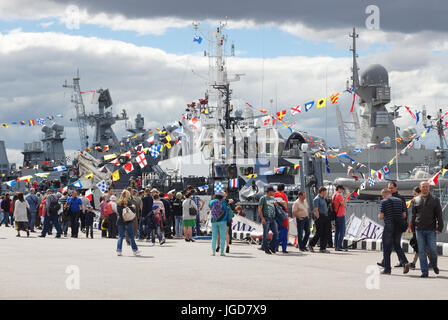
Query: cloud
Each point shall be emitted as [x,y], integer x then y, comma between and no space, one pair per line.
[159,85]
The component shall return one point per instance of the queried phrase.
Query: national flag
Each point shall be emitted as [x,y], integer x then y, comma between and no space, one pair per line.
[31,123]
[43,175]
[296,110]
[356,151]
[77,184]
[151,140]
[102,186]
[59,168]
[89,194]
[309,105]
[321,103]
[116,176]
[233,183]
[334,98]
[141,160]
[5,125]
[433,181]
[128,167]
[219,187]
[89,176]
[281,114]
[197,39]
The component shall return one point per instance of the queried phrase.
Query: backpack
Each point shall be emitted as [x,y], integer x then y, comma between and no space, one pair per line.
[54,206]
[331,213]
[280,215]
[217,211]
[108,209]
[127,214]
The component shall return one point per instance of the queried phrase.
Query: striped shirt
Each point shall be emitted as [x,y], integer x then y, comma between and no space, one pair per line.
[392,207]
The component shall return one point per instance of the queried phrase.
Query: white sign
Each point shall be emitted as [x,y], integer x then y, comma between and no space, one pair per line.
[364,228]
[243,224]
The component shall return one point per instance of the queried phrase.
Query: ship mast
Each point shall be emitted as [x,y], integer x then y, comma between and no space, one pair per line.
[80,110]
[355,69]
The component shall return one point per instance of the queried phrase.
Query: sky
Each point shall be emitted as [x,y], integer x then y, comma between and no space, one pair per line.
[290,52]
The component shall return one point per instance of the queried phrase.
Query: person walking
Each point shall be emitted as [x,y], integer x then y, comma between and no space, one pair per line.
[218,216]
[200,204]
[147,203]
[125,225]
[322,221]
[392,211]
[33,202]
[427,222]
[6,207]
[65,215]
[189,212]
[300,210]
[230,215]
[112,216]
[52,207]
[177,213]
[339,203]
[21,208]
[75,205]
[266,212]
[103,216]
[90,214]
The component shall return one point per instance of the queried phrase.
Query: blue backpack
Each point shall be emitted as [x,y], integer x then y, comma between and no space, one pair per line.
[218,212]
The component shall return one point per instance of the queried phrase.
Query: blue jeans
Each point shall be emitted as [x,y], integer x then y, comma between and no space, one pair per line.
[6,218]
[339,232]
[32,219]
[129,228]
[282,238]
[179,226]
[271,224]
[303,225]
[152,231]
[198,224]
[427,239]
[47,224]
[391,241]
[142,228]
[221,228]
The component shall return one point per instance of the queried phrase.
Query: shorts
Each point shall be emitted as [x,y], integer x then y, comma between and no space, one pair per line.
[190,223]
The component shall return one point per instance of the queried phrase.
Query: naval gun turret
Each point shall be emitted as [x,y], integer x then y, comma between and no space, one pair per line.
[53,146]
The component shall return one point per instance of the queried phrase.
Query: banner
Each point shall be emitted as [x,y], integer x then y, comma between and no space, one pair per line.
[361,228]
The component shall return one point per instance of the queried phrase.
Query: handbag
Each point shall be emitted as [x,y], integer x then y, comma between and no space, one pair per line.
[192,210]
[127,214]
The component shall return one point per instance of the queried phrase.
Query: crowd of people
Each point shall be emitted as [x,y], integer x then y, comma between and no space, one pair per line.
[147,214]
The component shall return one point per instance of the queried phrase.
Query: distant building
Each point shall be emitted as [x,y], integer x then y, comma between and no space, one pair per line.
[4,163]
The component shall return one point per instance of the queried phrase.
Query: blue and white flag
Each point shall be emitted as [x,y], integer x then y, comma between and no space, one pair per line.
[203,188]
[309,105]
[356,151]
[372,180]
[154,151]
[60,168]
[77,184]
[197,39]
[40,121]
[11,183]
[386,169]
[219,187]
[102,186]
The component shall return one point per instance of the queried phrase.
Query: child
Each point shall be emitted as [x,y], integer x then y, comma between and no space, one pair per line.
[90,214]
[157,210]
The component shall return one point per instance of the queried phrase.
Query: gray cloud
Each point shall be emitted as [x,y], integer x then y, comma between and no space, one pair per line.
[407,16]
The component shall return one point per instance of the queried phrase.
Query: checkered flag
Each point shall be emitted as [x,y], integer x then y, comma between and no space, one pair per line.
[219,187]
[68,159]
[102,186]
[154,151]
[372,181]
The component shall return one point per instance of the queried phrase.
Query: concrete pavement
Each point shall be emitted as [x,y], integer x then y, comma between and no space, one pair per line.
[48,268]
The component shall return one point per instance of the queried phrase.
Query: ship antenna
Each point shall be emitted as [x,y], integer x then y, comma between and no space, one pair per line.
[355,69]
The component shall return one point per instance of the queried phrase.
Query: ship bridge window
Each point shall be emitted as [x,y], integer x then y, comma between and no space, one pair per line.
[246,171]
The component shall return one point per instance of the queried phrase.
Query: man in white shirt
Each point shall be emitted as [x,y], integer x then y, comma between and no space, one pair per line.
[300,210]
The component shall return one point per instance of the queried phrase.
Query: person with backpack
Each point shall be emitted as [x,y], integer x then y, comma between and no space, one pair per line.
[266,212]
[190,210]
[230,216]
[52,207]
[218,216]
[33,202]
[283,222]
[125,222]
[338,204]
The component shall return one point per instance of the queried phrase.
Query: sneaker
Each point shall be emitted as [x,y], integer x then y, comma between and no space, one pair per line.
[222,254]
[119,253]
[137,253]
[436,270]
[406,268]
[213,253]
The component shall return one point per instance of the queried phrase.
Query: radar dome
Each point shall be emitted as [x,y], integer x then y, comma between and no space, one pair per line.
[375,75]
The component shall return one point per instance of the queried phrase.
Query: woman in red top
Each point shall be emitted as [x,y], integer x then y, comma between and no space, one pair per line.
[339,203]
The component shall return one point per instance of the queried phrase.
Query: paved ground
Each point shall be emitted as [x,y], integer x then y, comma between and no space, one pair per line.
[35,268]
